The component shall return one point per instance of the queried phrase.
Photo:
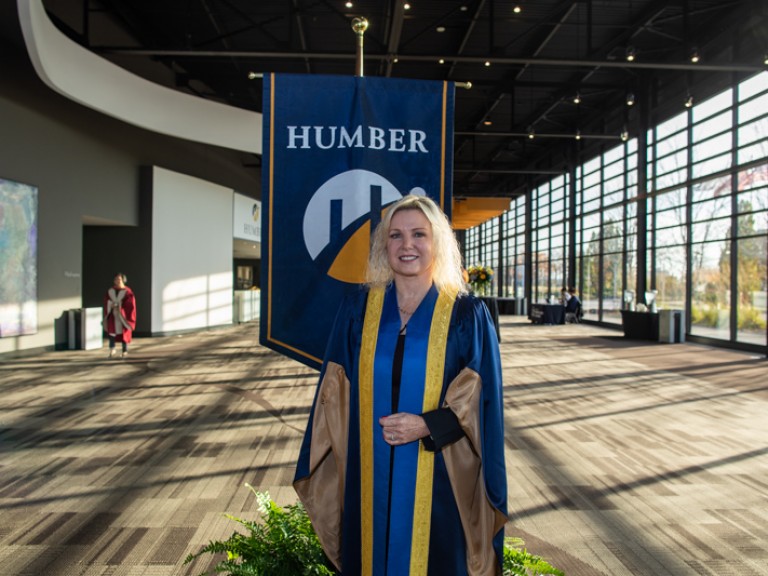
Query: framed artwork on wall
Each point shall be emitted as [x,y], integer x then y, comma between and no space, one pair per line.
[18,259]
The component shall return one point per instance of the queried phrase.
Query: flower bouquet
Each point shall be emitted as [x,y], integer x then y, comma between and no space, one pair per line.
[480,278]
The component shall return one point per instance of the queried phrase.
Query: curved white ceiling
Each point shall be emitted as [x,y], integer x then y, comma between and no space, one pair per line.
[92,81]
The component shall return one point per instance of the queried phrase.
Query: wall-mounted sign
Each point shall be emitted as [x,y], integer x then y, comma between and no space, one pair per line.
[247,218]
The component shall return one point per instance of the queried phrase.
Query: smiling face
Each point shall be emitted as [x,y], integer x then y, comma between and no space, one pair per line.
[409,245]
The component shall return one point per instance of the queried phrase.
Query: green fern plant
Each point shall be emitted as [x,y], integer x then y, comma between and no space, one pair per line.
[519,562]
[284,543]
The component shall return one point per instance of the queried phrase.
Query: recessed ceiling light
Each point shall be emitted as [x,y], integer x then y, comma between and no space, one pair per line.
[440,28]
[517,9]
[463,8]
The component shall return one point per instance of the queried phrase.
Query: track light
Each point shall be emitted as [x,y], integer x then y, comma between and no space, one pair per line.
[630,54]
[695,56]
[630,99]
[253,75]
[765,59]
[578,135]
[624,134]
[487,63]
[517,9]
[531,133]
[689,101]
[406,6]
[577,98]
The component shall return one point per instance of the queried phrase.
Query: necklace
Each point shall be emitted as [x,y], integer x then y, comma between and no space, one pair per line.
[415,302]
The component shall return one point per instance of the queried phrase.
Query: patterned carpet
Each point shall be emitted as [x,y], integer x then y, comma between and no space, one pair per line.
[623,457]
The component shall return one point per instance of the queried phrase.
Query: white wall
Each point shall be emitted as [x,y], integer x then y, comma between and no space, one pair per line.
[191,253]
[87,168]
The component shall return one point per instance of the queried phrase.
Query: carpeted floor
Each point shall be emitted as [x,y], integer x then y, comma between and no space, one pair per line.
[623,457]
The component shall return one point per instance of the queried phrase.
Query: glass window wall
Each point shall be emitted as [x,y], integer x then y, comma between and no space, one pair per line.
[705,223]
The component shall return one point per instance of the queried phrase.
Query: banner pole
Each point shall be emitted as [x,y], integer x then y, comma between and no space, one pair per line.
[359,26]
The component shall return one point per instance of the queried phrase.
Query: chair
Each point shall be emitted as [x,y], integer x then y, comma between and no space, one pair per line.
[574,313]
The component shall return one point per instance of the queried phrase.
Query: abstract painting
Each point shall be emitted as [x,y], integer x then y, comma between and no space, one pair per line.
[18,259]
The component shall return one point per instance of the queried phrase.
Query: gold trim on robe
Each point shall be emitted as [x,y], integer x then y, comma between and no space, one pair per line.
[433,386]
[367,356]
[480,520]
[322,491]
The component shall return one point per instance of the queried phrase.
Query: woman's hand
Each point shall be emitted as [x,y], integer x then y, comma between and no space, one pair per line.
[402,428]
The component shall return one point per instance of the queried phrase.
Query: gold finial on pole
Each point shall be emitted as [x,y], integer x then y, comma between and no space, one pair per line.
[359,26]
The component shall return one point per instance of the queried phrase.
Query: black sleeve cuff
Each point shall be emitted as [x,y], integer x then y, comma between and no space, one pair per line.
[444,429]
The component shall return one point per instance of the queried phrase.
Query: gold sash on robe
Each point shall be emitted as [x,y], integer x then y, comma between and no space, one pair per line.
[438,337]
[322,491]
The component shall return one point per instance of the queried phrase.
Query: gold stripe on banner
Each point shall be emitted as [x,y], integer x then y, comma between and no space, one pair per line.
[271,195]
[444,150]
[433,385]
[367,353]
[271,225]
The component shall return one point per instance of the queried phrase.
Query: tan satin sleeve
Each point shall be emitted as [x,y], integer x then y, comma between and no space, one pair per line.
[322,491]
[463,459]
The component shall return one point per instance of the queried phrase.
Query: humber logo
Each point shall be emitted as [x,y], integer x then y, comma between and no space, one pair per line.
[372,137]
[340,218]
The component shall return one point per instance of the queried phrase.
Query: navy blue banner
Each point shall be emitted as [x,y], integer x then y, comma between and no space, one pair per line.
[337,151]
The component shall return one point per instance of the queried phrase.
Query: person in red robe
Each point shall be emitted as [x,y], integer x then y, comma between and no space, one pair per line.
[119,314]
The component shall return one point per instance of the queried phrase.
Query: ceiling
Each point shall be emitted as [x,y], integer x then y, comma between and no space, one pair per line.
[524,67]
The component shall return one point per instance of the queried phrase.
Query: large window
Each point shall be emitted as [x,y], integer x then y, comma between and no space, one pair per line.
[668,237]
[549,238]
[472,246]
[606,231]
[704,218]
[710,258]
[751,248]
[512,269]
[500,244]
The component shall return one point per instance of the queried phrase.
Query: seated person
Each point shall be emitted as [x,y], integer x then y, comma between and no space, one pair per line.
[564,296]
[573,303]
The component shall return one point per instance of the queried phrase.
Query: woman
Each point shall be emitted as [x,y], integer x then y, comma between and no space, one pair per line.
[119,314]
[402,465]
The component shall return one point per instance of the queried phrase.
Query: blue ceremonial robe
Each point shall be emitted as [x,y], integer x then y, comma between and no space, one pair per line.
[467,486]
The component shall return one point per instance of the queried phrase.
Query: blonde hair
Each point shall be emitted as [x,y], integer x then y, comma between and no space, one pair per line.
[446,269]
